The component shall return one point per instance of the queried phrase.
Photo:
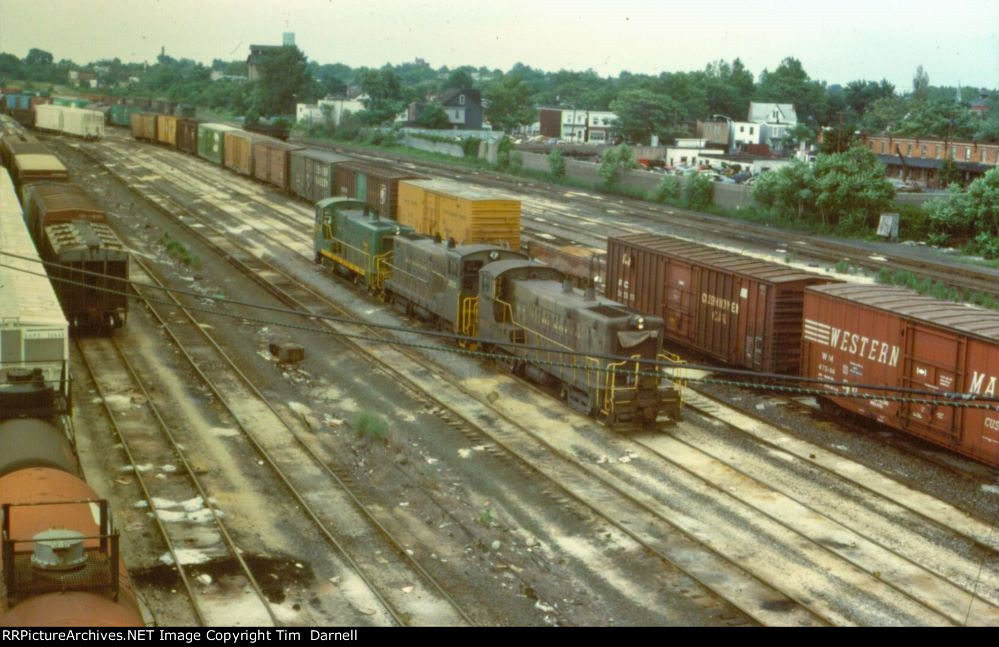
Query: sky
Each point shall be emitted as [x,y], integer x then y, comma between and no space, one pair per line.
[957,42]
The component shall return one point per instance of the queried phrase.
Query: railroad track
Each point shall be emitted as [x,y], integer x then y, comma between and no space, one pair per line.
[875,602]
[637,215]
[179,504]
[370,550]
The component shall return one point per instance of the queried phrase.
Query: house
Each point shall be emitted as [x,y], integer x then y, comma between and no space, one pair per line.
[691,152]
[775,121]
[921,160]
[576,125]
[463,108]
[331,108]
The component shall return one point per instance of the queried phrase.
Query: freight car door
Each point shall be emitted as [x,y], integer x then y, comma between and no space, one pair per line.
[679,301]
[932,362]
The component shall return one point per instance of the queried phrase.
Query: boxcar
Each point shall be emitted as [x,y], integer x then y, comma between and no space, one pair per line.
[31,167]
[144,125]
[121,114]
[48,117]
[49,203]
[459,212]
[19,144]
[239,150]
[272,162]
[79,247]
[187,135]
[166,130]
[586,265]
[82,122]
[313,173]
[874,334]
[376,185]
[211,141]
[34,335]
[741,310]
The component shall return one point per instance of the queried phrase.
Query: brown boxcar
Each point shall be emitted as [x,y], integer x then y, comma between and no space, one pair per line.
[187,135]
[144,125]
[19,143]
[166,129]
[31,167]
[313,173]
[238,150]
[741,310]
[48,203]
[376,185]
[883,335]
[271,162]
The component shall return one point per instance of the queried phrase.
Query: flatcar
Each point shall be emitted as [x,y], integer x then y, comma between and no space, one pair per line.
[89,270]
[893,337]
[353,239]
[598,353]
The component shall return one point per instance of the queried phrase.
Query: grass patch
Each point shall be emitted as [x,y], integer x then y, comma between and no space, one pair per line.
[935,289]
[370,425]
[179,252]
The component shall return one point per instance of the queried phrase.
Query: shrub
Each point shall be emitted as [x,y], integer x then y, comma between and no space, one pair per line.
[370,425]
[698,191]
[556,164]
[667,190]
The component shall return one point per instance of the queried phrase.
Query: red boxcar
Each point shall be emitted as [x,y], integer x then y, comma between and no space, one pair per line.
[739,309]
[870,334]
[271,162]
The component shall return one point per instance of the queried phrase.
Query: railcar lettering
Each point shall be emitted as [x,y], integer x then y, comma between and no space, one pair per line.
[982,386]
[713,301]
[862,346]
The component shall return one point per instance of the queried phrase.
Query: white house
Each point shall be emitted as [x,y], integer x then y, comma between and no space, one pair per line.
[745,133]
[316,113]
[775,121]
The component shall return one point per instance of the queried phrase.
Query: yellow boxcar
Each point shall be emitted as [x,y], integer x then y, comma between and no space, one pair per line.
[460,212]
[166,130]
[144,125]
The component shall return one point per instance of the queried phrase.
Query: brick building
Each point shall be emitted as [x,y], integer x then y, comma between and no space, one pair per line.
[919,160]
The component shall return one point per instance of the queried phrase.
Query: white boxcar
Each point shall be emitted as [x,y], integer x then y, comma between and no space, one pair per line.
[82,122]
[48,117]
[34,333]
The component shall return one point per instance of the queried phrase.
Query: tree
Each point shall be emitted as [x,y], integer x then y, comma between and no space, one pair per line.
[508,103]
[433,116]
[385,96]
[789,83]
[460,78]
[284,80]
[556,164]
[38,57]
[614,163]
[642,113]
[698,191]
[851,184]
[920,84]
[789,190]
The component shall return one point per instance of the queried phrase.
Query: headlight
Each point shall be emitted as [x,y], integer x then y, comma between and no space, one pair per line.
[637,322]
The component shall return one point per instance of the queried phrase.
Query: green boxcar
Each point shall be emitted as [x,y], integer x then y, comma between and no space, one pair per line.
[211,141]
[354,240]
[121,114]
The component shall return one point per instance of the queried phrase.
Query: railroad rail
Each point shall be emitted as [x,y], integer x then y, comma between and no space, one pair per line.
[143,431]
[872,609]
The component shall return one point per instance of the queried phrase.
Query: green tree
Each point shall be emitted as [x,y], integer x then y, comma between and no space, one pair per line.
[508,103]
[460,78]
[284,80]
[614,163]
[556,164]
[433,116]
[971,214]
[851,184]
[920,84]
[385,96]
[790,191]
[789,83]
[698,191]
[643,113]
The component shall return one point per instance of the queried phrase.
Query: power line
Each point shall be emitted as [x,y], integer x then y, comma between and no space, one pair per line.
[651,368]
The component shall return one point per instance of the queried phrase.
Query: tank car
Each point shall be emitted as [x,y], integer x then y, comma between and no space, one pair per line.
[89,271]
[59,554]
[354,240]
[439,281]
[597,352]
